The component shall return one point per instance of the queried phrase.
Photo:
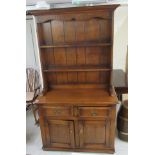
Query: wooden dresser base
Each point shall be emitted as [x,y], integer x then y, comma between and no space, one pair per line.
[81,124]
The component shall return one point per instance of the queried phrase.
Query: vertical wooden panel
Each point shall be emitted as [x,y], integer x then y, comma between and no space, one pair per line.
[48,56]
[62,78]
[93,77]
[105,77]
[92,31]
[81,60]
[81,55]
[93,58]
[69,28]
[105,58]
[51,78]
[40,34]
[60,56]
[71,60]
[47,40]
[113,127]
[57,31]
[72,77]
[46,30]
[105,30]
[93,55]
[71,56]
[58,36]
[80,29]
[81,77]
[59,53]
[60,59]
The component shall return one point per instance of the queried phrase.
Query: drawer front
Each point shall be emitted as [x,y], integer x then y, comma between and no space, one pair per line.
[56,111]
[94,111]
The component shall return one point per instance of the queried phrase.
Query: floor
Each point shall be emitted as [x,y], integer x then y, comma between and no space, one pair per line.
[34,143]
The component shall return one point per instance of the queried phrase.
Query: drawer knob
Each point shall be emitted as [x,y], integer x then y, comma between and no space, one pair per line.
[94,114]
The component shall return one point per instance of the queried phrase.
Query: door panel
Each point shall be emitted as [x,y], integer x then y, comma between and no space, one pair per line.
[94,134]
[59,133]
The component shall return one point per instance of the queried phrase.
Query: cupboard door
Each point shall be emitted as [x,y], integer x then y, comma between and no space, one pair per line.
[59,133]
[94,134]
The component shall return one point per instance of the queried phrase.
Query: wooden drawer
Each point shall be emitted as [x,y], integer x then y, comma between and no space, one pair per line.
[93,111]
[56,111]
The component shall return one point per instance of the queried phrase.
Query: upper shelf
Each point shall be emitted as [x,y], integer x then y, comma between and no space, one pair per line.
[85,44]
[77,68]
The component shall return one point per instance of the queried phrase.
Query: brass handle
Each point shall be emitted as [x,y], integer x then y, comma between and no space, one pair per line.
[94,114]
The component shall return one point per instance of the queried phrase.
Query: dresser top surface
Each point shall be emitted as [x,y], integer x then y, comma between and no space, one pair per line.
[41,12]
[77,96]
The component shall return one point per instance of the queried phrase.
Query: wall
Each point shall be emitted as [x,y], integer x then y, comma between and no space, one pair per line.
[31,46]
[120,37]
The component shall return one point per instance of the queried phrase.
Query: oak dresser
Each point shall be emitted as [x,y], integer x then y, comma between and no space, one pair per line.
[78,108]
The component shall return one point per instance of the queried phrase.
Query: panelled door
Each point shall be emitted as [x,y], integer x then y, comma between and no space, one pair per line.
[59,133]
[94,134]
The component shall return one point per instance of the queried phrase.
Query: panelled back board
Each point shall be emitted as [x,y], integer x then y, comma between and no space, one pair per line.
[76,46]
